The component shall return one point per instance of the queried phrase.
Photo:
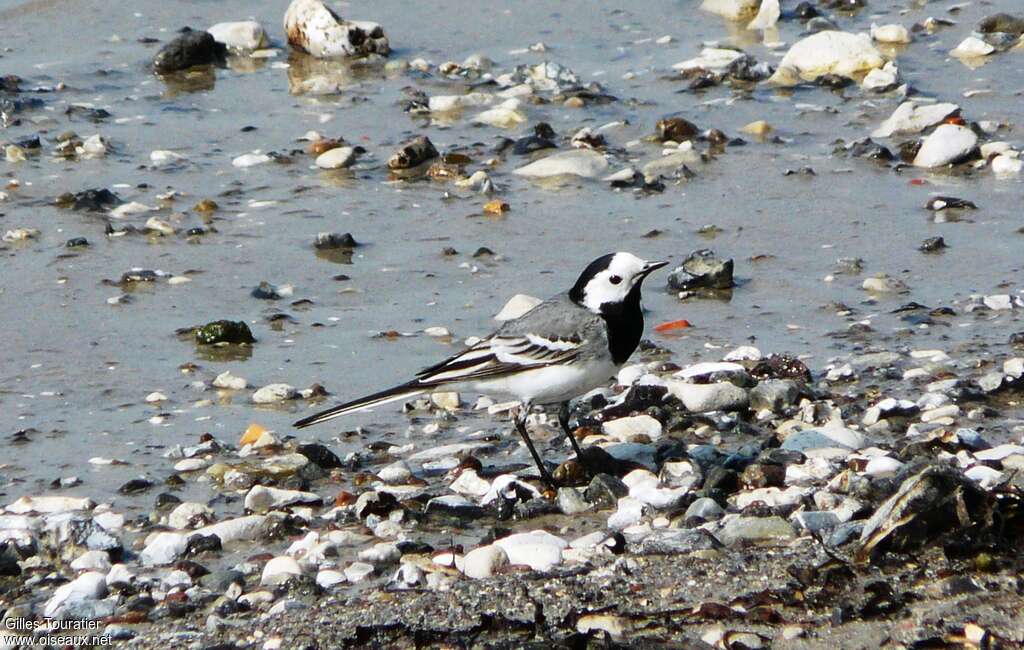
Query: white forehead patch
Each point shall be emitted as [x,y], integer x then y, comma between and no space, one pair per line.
[601,289]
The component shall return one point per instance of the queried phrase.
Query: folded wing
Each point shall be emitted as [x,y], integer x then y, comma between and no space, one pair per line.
[500,356]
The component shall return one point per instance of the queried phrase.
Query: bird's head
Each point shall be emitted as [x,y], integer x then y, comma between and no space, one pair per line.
[610,281]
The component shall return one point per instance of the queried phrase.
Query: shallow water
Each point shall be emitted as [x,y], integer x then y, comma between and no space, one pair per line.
[77,369]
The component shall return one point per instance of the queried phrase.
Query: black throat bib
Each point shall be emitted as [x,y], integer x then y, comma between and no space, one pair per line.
[625,325]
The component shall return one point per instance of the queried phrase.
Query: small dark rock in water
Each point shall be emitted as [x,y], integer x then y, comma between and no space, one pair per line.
[9,83]
[702,270]
[932,245]
[32,142]
[483,251]
[868,148]
[675,129]
[91,200]
[803,171]
[166,501]
[265,291]
[87,112]
[190,49]
[413,153]
[320,455]
[805,11]
[76,242]
[333,240]
[543,138]
[138,276]
[1001,23]
[224,331]
[844,5]
[135,486]
[949,203]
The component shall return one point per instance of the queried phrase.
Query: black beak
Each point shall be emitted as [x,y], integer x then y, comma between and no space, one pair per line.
[651,267]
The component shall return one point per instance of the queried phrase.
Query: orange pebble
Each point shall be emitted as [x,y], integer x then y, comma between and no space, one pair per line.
[252,434]
[672,326]
[496,207]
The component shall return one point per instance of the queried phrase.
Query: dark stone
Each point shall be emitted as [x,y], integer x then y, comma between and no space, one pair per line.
[949,203]
[219,581]
[265,291]
[91,114]
[9,560]
[675,129]
[375,503]
[702,270]
[932,245]
[31,142]
[543,138]
[675,541]
[760,476]
[320,455]
[536,507]
[413,153]
[779,456]
[165,501]
[142,603]
[604,491]
[868,148]
[805,11]
[190,49]
[76,242]
[91,200]
[193,569]
[10,83]
[781,366]
[1001,23]
[719,482]
[333,240]
[130,277]
[775,395]
[908,150]
[833,81]
[202,543]
[224,331]
[135,486]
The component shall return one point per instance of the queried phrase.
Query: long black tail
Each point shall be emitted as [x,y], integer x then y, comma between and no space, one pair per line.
[383,397]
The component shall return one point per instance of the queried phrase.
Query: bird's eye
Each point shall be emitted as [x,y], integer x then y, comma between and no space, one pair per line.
[615,279]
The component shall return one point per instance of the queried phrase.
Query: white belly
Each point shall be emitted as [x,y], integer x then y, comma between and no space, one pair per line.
[548,385]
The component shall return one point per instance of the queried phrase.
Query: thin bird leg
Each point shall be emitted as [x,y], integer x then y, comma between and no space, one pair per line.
[563,419]
[521,428]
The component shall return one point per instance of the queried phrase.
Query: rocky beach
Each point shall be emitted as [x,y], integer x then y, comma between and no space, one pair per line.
[218,219]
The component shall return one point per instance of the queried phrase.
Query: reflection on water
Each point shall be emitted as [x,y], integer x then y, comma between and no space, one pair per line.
[224,353]
[335,255]
[194,80]
[311,76]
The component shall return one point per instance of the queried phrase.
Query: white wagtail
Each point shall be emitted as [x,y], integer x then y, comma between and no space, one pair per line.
[564,347]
